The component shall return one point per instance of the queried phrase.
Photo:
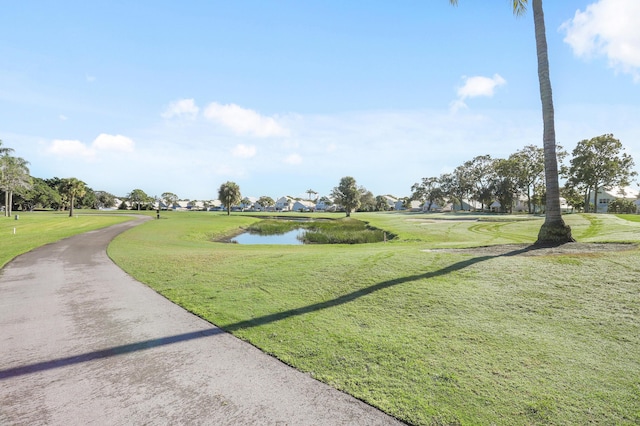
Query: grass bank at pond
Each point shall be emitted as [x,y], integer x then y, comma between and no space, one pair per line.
[34,229]
[324,231]
[432,337]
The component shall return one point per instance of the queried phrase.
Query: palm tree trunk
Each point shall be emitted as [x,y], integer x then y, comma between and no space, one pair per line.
[554,230]
[71,206]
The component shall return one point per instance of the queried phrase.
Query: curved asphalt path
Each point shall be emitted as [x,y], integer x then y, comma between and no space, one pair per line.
[81,342]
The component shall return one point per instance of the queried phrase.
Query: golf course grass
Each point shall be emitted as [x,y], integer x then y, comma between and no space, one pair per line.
[34,229]
[430,336]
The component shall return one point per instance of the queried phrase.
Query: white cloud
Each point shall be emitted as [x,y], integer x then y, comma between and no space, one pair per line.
[293,159]
[244,151]
[480,86]
[476,86]
[608,28]
[63,117]
[70,148]
[244,121]
[103,143]
[107,142]
[183,108]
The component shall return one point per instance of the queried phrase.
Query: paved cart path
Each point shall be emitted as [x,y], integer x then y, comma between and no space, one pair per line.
[81,342]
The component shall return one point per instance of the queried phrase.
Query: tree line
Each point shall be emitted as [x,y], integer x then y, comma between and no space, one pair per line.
[595,163]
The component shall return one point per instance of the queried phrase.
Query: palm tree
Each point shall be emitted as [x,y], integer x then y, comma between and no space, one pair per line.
[14,175]
[553,230]
[229,195]
[73,188]
[5,151]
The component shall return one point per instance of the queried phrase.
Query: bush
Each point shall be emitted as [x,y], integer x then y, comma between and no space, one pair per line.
[622,206]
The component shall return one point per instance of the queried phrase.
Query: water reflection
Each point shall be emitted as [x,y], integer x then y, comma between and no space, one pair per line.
[289,238]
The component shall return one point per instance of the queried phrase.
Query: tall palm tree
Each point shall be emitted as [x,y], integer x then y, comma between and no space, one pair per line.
[73,188]
[14,175]
[553,230]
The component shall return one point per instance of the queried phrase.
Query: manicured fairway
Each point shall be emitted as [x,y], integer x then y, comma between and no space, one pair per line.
[34,229]
[430,336]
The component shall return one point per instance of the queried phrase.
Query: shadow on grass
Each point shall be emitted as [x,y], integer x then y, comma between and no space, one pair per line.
[255,322]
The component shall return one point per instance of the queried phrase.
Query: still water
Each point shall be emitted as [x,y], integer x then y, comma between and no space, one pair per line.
[288,238]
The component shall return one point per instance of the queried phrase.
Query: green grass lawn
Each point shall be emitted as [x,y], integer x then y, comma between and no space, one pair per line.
[430,336]
[34,229]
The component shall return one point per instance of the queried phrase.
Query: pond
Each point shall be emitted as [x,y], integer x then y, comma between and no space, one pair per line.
[288,238]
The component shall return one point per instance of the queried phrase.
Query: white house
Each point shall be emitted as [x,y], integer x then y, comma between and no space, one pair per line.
[607,195]
[303,206]
[284,204]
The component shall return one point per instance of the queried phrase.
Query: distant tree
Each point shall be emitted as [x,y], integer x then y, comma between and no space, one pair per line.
[347,194]
[381,203]
[245,202]
[266,202]
[73,188]
[622,206]
[367,200]
[137,198]
[480,173]
[105,200]
[528,170]
[504,185]
[600,163]
[14,177]
[39,195]
[169,199]
[311,191]
[229,194]
[574,197]
[428,191]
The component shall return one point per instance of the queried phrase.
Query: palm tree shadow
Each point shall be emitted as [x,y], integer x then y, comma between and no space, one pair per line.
[255,322]
[350,297]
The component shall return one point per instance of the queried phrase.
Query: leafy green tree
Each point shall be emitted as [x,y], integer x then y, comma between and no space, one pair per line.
[553,230]
[622,206]
[105,200]
[600,163]
[428,191]
[169,199]
[40,195]
[381,204]
[229,194]
[367,200]
[73,188]
[504,186]
[347,194]
[14,177]
[137,198]
[574,197]
[266,202]
[481,175]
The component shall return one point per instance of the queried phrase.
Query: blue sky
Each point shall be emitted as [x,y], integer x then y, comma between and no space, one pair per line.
[285,96]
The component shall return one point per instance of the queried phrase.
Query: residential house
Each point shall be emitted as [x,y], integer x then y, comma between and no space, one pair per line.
[303,206]
[284,204]
[607,195]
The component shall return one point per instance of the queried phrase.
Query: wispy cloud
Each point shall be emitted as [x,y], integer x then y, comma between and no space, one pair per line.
[608,28]
[293,159]
[182,108]
[244,151]
[476,86]
[244,121]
